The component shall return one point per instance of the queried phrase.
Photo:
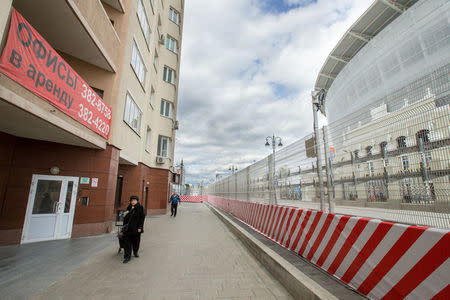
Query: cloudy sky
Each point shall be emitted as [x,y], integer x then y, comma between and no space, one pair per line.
[247,70]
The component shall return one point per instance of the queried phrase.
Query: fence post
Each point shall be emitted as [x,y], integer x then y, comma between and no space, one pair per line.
[318,156]
[248,183]
[328,168]
[235,186]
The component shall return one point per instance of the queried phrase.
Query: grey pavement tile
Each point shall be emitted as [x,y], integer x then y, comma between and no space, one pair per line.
[28,268]
[263,293]
[165,297]
[277,291]
[208,293]
[192,257]
[235,293]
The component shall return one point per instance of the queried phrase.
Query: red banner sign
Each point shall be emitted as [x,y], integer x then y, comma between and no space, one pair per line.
[29,60]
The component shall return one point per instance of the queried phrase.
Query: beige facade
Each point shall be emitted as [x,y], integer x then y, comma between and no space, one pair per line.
[148,94]
[121,49]
[100,37]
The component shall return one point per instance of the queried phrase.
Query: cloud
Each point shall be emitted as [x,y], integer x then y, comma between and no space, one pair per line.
[247,69]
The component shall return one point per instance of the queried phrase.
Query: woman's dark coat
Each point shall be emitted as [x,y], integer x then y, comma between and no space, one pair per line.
[135,219]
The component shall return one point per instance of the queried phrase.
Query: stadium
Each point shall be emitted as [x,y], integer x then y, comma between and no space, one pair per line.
[387,105]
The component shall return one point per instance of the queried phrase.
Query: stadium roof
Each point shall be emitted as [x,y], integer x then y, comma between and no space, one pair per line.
[379,15]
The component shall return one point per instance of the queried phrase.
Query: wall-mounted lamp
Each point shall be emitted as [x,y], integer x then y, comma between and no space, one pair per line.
[54,170]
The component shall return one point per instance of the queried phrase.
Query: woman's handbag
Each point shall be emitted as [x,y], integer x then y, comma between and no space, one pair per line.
[123,230]
[125,226]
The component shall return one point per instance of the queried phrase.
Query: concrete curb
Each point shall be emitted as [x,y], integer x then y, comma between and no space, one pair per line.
[296,282]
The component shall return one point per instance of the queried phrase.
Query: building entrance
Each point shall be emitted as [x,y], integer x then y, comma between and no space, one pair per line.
[51,207]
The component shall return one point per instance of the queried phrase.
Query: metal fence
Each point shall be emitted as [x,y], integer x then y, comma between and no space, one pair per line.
[390,160]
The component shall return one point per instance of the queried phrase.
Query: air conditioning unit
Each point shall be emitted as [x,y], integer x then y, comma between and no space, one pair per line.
[175,125]
[159,160]
[161,39]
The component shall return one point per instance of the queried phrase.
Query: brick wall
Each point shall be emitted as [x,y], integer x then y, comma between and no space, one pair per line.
[20,158]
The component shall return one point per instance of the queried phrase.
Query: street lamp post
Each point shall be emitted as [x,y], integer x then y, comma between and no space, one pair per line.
[317,102]
[180,183]
[329,171]
[273,140]
[201,188]
[233,169]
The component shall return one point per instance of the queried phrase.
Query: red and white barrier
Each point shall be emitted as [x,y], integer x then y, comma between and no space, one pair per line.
[196,199]
[381,260]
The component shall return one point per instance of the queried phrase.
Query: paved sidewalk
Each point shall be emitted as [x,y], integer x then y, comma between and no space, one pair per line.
[192,256]
[26,269]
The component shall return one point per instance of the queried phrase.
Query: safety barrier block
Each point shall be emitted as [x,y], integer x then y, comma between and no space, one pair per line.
[194,199]
[381,260]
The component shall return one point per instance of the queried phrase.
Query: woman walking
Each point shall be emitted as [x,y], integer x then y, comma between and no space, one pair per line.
[133,228]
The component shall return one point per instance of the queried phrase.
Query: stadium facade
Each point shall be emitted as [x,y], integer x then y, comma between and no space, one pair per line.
[387,103]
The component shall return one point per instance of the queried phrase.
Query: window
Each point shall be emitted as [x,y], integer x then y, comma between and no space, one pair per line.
[166,108]
[155,60]
[428,159]
[160,36]
[406,190]
[371,168]
[142,16]
[117,202]
[401,142]
[376,191]
[132,114]
[169,75]
[99,92]
[430,190]
[138,64]
[163,146]
[369,150]
[383,148]
[152,95]
[174,16]
[350,192]
[171,44]
[423,135]
[405,162]
[147,140]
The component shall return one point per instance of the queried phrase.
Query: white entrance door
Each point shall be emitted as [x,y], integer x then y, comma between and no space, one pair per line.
[51,207]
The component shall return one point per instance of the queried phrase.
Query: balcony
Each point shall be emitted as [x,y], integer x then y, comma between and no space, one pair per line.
[79,28]
[30,117]
[116,4]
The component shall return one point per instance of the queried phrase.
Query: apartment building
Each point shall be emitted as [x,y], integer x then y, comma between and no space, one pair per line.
[88,102]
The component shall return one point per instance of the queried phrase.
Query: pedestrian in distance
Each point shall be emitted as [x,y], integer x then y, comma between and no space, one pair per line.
[133,228]
[174,200]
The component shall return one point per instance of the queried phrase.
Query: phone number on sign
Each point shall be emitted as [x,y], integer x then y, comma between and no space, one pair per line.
[86,113]
[91,97]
